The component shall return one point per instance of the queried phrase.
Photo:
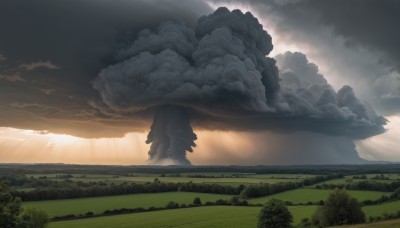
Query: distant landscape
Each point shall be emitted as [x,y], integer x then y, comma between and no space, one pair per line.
[229,196]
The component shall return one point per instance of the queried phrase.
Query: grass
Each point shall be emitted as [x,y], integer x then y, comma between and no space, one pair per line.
[378,210]
[245,178]
[392,176]
[384,224]
[24,189]
[215,216]
[349,180]
[284,176]
[305,195]
[214,174]
[300,212]
[100,204]
[203,180]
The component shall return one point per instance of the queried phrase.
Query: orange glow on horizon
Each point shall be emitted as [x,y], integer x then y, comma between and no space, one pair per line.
[214,147]
[26,146]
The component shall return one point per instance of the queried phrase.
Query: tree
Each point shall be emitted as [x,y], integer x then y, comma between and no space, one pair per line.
[339,209]
[172,205]
[274,214]
[33,218]
[395,194]
[11,214]
[235,200]
[243,193]
[10,207]
[305,223]
[197,201]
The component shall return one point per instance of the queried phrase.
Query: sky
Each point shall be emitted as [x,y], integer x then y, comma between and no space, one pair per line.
[292,83]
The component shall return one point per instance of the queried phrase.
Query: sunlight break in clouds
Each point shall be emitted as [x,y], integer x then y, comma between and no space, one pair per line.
[28,146]
[383,147]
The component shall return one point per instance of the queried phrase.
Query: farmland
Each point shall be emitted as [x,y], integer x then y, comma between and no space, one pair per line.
[348,180]
[100,204]
[216,216]
[153,197]
[314,195]
[379,210]
[193,217]
[385,224]
[232,179]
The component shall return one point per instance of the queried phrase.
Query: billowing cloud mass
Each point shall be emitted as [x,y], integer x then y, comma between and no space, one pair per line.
[107,68]
[79,38]
[305,89]
[220,63]
[356,41]
[219,71]
[171,135]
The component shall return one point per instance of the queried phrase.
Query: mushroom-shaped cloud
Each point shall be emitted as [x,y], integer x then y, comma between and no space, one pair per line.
[219,75]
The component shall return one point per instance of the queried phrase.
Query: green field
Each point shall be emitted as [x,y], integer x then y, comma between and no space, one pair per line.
[215,216]
[300,212]
[384,224]
[226,180]
[378,210]
[210,216]
[305,195]
[245,178]
[391,176]
[211,174]
[349,180]
[282,176]
[100,204]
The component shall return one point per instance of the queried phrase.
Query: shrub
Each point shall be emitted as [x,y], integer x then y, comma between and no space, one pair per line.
[274,214]
[34,218]
[172,205]
[197,201]
[339,209]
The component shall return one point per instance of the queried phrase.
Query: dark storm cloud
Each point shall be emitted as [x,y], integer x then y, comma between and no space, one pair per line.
[171,135]
[219,62]
[219,71]
[368,28]
[308,91]
[365,22]
[373,25]
[216,67]
[60,46]
[300,148]
[39,64]
[2,57]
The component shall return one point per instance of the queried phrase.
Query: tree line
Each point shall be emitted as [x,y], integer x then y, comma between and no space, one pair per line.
[260,190]
[364,185]
[93,190]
